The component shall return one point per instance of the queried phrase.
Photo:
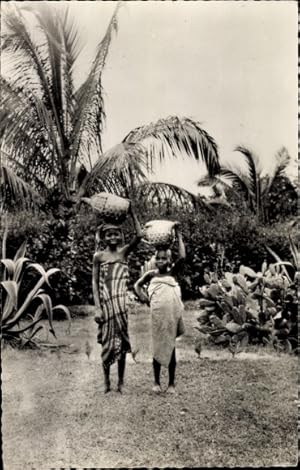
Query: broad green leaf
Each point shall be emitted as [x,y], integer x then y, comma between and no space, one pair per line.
[244,270]
[46,299]
[38,312]
[31,295]
[21,251]
[11,288]
[264,267]
[10,266]
[49,273]
[35,331]
[242,282]
[229,277]
[65,309]
[238,316]
[216,321]
[39,269]
[283,263]
[67,312]
[207,303]
[25,328]
[19,266]
[233,327]
[213,291]
[279,260]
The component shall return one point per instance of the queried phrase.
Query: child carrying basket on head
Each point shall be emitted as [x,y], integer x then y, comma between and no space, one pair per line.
[164,297]
[110,275]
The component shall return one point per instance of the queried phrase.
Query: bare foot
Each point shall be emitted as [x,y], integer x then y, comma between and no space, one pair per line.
[120,388]
[156,388]
[171,389]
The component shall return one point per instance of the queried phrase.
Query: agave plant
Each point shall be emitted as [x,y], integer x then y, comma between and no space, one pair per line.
[29,306]
[249,307]
[51,131]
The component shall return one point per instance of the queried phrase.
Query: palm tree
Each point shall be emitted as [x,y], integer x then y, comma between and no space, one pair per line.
[257,189]
[51,132]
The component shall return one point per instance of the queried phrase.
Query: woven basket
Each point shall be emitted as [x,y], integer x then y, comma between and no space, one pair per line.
[159,232]
[110,206]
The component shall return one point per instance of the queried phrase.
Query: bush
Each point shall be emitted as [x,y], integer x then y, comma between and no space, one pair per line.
[250,307]
[219,240]
[22,301]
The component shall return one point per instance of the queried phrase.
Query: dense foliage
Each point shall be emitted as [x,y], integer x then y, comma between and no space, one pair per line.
[215,241]
[249,307]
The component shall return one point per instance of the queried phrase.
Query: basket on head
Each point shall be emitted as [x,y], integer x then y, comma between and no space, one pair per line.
[109,206]
[159,232]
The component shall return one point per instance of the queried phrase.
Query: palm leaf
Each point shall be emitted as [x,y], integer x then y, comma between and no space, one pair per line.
[15,191]
[178,136]
[282,160]
[89,113]
[120,169]
[166,195]
[252,162]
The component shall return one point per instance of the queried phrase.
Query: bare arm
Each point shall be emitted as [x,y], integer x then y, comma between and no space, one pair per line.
[181,251]
[95,282]
[181,245]
[97,238]
[139,287]
[138,234]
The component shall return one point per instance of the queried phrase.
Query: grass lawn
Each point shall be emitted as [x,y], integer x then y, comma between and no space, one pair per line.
[239,411]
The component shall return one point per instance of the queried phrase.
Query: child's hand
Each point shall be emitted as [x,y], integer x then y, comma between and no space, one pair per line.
[98,317]
[177,227]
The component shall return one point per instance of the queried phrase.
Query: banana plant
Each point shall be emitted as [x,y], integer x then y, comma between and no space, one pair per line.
[36,304]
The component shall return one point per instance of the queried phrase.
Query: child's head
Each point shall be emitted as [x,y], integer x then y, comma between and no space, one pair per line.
[163,259]
[112,235]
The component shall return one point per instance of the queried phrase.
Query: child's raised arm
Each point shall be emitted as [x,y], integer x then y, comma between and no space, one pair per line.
[181,245]
[181,250]
[138,233]
[98,238]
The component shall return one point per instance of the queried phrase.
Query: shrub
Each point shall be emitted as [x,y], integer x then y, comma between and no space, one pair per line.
[20,303]
[250,307]
[219,240]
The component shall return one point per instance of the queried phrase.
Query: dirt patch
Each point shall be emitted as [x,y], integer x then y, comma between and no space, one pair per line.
[227,411]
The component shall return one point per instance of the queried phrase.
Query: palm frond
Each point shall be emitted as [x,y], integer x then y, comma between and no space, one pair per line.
[89,114]
[123,166]
[178,136]
[14,191]
[282,158]
[166,195]
[252,163]
[29,132]
[38,64]
[228,178]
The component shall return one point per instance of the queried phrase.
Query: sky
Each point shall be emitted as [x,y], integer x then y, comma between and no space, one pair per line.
[230,65]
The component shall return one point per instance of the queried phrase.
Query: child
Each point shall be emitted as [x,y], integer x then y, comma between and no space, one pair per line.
[164,297]
[110,275]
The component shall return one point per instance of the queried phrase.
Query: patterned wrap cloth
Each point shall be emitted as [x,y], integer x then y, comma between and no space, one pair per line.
[166,312]
[113,331]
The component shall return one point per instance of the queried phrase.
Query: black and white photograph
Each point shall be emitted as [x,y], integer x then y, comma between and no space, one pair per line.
[149,238]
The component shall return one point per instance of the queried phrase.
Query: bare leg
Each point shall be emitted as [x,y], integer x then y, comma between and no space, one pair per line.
[106,371]
[156,370]
[121,372]
[172,368]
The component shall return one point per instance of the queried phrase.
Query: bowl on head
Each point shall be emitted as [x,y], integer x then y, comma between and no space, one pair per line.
[159,233]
